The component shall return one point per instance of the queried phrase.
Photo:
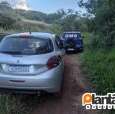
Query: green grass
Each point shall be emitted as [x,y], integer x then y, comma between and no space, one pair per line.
[18,104]
[10,105]
[100,66]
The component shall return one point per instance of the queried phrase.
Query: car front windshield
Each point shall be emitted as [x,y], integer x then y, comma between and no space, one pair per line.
[26,46]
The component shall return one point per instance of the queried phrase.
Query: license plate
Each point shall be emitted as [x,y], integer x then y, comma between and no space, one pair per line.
[70,49]
[18,69]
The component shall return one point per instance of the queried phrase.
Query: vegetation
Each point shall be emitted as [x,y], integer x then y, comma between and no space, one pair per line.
[69,20]
[102,21]
[99,57]
[100,64]
[17,104]
[14,21]
[20,20]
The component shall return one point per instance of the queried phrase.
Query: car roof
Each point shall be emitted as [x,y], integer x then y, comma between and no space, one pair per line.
[44,35]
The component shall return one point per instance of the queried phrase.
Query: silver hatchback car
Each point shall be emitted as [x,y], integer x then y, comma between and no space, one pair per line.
[31,62]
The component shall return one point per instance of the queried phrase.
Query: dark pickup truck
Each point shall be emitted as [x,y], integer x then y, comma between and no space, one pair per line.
[72,41]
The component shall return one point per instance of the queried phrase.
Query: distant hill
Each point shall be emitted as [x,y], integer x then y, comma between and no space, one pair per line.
[21,20]
[40,16]
[32,15]
[7,15]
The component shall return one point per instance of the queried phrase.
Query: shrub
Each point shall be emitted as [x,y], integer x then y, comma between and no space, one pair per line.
[101,68]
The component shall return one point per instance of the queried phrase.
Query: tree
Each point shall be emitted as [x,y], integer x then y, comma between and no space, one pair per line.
[56,28]
[5,3]
[7,15]
[103,20]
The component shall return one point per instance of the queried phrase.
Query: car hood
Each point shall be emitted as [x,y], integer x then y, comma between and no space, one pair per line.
[25,59]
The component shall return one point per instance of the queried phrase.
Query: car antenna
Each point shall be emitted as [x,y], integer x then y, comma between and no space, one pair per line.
[30,32]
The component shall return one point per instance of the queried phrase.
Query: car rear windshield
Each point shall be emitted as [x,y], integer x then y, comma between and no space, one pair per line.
[26,46]
[72,35]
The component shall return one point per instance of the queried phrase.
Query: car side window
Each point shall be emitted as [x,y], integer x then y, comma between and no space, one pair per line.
[59,42]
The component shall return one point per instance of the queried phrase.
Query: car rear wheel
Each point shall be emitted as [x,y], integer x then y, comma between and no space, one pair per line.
[59,94]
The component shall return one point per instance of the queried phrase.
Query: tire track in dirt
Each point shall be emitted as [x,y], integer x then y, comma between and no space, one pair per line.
[75,85]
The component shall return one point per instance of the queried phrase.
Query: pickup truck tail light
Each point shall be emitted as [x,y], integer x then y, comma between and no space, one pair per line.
[53,62]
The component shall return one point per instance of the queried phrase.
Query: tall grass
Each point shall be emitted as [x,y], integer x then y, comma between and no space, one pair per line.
[101,68]
[18,104]
[100,64]
[9,105]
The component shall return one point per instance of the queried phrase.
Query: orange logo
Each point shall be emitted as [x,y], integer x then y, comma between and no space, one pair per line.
[87,99]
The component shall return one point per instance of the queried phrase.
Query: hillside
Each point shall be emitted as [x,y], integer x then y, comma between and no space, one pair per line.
[19,20]
[40,16]
[32,15]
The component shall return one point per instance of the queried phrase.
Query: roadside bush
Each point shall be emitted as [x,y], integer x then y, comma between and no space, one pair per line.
[94,41]
[101,69]
[98,41]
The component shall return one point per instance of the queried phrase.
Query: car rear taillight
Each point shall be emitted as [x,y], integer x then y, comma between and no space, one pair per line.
[53,62]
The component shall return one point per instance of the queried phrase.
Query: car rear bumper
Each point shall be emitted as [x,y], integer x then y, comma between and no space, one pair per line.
[49,81]
[73,48]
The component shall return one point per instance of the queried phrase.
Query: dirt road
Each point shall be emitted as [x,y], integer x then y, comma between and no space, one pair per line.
[75,85]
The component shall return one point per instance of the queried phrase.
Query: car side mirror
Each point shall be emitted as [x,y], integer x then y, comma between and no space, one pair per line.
[62,52]
[61,45]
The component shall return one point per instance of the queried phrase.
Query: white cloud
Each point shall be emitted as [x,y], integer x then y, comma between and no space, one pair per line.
[22,4]
[18,4]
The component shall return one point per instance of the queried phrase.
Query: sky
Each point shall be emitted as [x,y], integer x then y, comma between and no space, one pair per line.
[46,6]
[50,6]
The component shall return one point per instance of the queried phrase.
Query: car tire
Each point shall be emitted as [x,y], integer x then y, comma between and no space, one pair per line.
[81,50]
[67,52]
[59,94]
